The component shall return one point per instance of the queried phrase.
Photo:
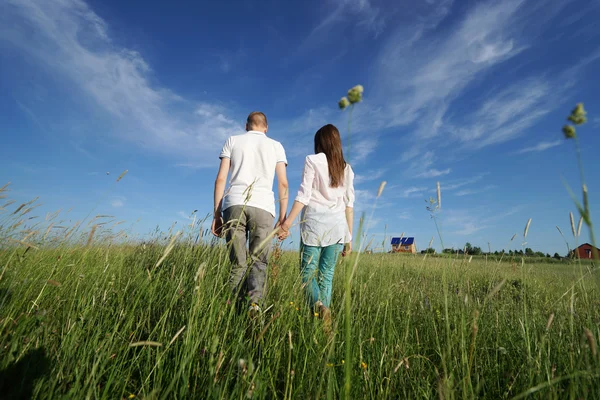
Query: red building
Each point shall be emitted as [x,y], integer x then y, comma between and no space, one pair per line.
[585,251]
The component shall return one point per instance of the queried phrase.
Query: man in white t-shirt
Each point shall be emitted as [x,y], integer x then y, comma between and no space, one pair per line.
[247,211]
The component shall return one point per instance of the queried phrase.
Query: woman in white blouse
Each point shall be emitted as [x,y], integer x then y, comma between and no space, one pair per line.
[326,199]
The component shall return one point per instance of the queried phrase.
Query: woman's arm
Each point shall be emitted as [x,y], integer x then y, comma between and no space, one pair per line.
[349,200]
[302,199]
[296,209]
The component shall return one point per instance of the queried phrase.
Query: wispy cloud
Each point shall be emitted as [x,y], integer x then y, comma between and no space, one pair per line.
[457,184]
[367,16]
[542,146]
[432,76]
[414,191]
[118,202]
[69,37]
[420,77]
[433,173]
[184,215]
[369,176]
[468,192]
[403,215]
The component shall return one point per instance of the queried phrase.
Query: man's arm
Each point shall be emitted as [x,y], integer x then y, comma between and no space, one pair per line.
[220,184]
[283,190]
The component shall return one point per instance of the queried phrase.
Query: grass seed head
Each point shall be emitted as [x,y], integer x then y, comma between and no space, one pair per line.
[381,186]
[527,228]
[572,225]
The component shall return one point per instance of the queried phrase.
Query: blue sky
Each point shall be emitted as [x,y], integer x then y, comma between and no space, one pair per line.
[471,94]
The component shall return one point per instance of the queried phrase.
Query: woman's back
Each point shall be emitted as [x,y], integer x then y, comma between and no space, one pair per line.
[323,221]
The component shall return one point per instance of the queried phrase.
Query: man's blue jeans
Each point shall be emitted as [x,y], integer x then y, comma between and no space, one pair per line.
[317,267]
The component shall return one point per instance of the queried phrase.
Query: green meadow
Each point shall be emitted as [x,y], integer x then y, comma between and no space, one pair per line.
[88,313]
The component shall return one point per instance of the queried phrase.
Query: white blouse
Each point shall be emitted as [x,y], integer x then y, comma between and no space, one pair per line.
[323,220]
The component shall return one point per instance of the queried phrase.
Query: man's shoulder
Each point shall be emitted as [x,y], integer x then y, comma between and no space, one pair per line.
[273,141]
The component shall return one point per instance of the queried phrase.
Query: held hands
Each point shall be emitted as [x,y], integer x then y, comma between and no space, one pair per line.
[284,228]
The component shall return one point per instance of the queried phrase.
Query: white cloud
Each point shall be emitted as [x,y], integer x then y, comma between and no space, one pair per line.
[184,215]
[413,191]
[69,37]
[404,215]
[367,16]
[117,202]
[369,176]
[433,173]
[507,114]
[468,192]
[360,151]
[420,81]
[542,146]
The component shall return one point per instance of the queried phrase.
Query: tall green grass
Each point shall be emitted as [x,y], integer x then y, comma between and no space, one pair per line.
[94,315]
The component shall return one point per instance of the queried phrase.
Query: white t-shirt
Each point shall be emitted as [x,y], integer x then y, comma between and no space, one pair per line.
[323,221]
[253,158]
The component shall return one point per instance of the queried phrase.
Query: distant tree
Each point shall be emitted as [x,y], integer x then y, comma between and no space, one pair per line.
[547,255]
[540,254]
[468,248]
[476,251]
[510,253]
[448,251]
[496,253]
[529,252]
[430,250]
[557,256]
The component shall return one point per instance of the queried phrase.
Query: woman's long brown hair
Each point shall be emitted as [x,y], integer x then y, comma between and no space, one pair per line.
[328,141]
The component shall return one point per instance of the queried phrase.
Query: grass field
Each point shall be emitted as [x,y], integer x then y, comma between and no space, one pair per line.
[82,318]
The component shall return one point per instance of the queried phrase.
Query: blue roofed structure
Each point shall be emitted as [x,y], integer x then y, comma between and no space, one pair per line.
[403,245]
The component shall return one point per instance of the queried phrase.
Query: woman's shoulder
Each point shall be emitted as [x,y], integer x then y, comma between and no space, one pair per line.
[317,158]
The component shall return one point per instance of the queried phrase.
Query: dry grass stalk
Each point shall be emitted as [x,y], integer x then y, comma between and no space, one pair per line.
[3,188]
[439,196]
[219,365]
[495,290]
[122,175]
[572,225]
[48,230]
[381,186]
[579,226]
[474,330]
[72,230]
[176,335]
[527,228]
[17,225]
[91,236]
[591,341]
[8,203]
[19,208]
[550,319]
[23,243]
[146,343]
[168,249]
[31,233]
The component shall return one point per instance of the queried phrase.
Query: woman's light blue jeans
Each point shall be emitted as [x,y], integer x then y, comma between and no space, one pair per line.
[317,266]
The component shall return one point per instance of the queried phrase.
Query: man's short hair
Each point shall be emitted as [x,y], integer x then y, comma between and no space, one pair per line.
[256,120]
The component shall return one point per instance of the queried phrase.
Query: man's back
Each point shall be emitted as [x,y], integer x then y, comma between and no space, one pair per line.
[254,157]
